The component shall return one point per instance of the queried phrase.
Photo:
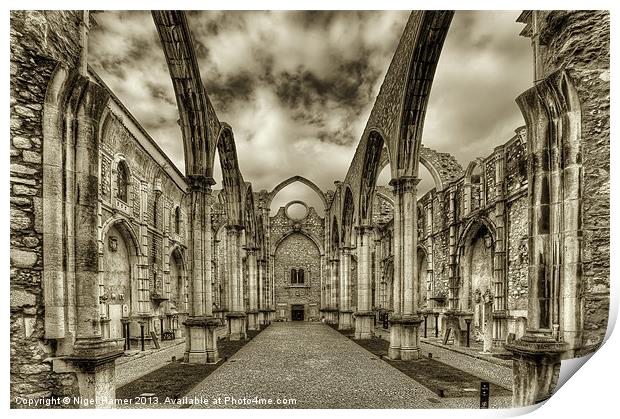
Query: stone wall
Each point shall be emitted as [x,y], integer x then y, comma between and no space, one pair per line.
[579,43]
[156,189]
[476,203]
[39,41]
[517,255]
[297,251]
[285,235]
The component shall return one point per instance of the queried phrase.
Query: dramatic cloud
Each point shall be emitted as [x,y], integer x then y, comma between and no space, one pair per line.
[297,87]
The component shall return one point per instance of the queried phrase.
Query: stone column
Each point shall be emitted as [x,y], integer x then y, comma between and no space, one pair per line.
[553,116]
[92,355]
[252,289]
[333,295]
[323,285]
[262,315]
[410,346]
[453,292]
[499,254]
[345,313]
[237,315]
[395,318]
[364,314]
[201,339]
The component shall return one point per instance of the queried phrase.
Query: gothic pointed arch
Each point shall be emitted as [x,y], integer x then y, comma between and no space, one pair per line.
[199,123]
[233,185]
[375,150]
[129,233]
[432,30]
[294,179]
[334,237]
[303,232]
[250,218]
[347,217]
[443,167]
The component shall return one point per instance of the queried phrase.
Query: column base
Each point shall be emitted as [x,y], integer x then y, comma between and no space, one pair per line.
[94,361]
[263,317]
[237,326]
[201,340]
[253,320]
[364,322]
[331,316]
[410,338]
[536,367]
[345,320]
[395,338]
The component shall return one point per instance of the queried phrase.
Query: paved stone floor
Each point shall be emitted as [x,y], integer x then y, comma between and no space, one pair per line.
[314,365]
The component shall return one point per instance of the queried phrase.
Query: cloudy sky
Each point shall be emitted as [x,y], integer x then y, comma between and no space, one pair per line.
[297,87]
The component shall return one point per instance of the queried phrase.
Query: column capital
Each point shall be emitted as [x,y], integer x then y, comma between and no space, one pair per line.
[365,228]
[200,182]
[405,184]
[346,249]
[234,228]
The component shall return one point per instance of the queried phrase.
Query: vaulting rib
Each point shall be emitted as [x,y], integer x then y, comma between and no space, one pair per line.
[192,101]
[433,28]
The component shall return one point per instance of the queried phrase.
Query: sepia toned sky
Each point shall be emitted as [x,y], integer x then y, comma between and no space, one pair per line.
[298,87]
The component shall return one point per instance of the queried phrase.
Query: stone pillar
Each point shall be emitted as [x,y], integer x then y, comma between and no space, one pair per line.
[333,295]
[395,318]
[553,116]
[237,315]
[499,254]
[252,289]
[430,283]
[453,291]
[345,313]
[410,347]
[262,314]
[92,355]
[201,339]
[364,314]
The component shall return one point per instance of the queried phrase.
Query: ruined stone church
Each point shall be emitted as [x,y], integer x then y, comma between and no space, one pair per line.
[112,244]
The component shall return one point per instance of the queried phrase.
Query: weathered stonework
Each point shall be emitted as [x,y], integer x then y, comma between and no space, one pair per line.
[39,40]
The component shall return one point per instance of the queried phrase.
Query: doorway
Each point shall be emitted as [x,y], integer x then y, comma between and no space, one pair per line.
[297,313]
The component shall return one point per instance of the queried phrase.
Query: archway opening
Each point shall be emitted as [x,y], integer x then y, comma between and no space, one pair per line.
[297,191]
[116,294]
[476,296]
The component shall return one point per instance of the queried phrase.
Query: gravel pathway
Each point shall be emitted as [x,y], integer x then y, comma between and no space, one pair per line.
[314,365]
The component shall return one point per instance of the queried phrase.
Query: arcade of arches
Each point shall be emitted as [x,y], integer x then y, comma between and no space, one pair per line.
[499,254]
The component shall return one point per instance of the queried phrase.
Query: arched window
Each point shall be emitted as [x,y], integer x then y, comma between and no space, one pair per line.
[122,181]
[300,276]
[177,220]
[293,276]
